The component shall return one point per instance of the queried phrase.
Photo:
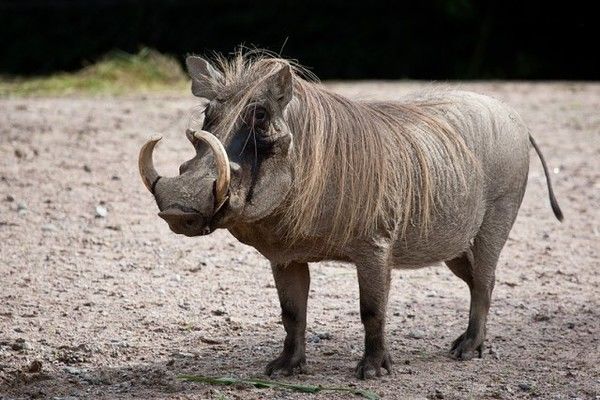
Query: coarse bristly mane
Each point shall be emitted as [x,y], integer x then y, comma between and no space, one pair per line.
[358,166]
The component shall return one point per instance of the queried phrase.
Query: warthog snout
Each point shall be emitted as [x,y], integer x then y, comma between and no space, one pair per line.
[189,223]
[190,202]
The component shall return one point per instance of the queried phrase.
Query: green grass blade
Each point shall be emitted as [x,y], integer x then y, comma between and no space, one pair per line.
[269,384]
[367,394]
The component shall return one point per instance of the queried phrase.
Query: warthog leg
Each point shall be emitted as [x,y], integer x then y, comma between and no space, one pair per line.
[471,341]
[477,268]
[374,287]
[292,282]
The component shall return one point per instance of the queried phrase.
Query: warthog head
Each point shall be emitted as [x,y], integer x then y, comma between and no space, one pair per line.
[241,171]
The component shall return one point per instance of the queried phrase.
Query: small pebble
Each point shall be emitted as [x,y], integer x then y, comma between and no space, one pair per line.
[210,340]
[323,335]
[101,212]
[20,344]
[416,334]
[73,370]
[526,387]
[35,366]
[541,317]
[9,198]
[87,168]
[21,208]
[314,338]
[49,228]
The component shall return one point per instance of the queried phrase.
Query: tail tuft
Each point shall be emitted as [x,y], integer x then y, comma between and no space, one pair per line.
[553,202]
[556,209]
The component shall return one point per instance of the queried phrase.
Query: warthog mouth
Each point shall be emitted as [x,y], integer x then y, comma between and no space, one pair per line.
[189,221]
[182,221]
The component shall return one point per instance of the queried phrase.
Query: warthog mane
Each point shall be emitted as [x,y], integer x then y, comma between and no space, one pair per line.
[358,165]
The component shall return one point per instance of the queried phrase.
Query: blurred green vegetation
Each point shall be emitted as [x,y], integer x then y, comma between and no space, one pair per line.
[116,73]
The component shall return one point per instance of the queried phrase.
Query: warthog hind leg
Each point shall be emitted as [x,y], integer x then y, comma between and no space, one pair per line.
[292,282]
[477,268]
[470,343]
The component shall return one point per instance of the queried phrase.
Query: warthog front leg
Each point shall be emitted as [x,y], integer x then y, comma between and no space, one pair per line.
[374,286]
[292,282]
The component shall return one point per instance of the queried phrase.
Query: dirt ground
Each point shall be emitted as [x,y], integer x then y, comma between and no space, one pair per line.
[116,306]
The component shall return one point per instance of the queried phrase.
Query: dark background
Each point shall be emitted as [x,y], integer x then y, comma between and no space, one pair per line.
[445,39]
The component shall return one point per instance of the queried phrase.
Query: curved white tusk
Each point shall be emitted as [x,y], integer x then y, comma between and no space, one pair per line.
[146,165]
[222,163]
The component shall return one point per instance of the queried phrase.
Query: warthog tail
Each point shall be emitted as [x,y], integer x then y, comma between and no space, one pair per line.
[553,203]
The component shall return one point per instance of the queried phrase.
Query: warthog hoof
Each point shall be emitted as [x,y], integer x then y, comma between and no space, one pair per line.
[370,365]
[465,348]
[286,364]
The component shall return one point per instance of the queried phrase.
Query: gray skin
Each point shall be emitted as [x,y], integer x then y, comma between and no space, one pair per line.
[468,235]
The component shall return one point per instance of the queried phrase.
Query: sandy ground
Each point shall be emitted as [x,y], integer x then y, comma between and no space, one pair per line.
[117,307]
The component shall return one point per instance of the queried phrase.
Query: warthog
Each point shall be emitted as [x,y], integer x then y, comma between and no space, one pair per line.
[304,175]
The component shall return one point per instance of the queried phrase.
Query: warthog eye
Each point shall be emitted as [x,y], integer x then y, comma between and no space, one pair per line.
[256,117]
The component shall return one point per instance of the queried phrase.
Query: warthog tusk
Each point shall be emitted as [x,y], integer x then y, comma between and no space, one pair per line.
[222,163]
[146,165]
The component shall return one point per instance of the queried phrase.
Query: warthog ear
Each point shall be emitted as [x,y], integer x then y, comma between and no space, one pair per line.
[205,79]
[280,85]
